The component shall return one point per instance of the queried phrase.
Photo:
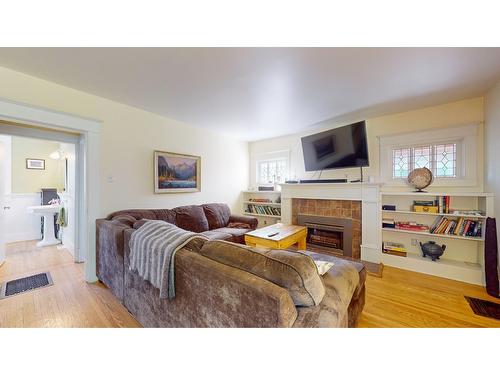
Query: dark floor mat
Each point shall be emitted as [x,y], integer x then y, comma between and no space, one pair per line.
[25,284]
[484,308]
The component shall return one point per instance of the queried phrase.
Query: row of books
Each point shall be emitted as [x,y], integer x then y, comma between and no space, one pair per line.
[263,210]
[393,248]
[404,225]
[458,227]
[411,225]
[439,205]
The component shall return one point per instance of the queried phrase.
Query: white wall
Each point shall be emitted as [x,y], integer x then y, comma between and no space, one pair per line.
[448,115]
[492,149]
[21,225]
[18,224]
[128,138]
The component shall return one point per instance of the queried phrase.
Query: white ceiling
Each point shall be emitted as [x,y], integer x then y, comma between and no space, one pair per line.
[256,93]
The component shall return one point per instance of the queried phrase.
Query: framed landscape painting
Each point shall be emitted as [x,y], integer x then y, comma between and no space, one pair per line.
[176,173]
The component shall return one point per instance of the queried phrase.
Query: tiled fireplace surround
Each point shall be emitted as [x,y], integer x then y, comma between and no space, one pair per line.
[357,201]
[342,209]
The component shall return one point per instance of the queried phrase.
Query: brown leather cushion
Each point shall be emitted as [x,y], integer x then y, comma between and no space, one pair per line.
[191,218]
[165,215]
[124,219]
[137,214]
[214,235]
[239,225]
[289,269]
[140,223]
[217,214]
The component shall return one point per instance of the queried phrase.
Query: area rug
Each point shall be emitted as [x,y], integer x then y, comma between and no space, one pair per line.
[484,308]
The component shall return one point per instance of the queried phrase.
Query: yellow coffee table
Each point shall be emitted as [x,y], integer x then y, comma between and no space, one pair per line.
[278,236]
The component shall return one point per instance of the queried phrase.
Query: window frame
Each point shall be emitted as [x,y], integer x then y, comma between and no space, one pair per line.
[469,161]
[432,162]
[268,161]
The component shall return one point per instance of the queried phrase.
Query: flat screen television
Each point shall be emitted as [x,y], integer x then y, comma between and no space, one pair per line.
[343,147]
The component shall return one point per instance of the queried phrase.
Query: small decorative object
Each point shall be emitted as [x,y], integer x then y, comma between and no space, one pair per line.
[389,207]
[432,249]
[176,173]
[420,178]
[35,164]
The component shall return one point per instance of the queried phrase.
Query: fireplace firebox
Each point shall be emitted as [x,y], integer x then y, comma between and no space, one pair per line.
[328,234]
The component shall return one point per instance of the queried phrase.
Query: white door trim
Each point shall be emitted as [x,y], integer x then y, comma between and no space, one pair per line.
[88,180]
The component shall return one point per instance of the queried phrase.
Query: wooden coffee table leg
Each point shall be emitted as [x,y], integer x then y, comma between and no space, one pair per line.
[302,243]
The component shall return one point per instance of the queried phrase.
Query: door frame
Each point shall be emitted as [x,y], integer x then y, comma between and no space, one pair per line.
[37,122]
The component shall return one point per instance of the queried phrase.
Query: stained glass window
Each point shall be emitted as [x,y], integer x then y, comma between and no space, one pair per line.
[400,162]
[272,171]
[441,159]
[446,160]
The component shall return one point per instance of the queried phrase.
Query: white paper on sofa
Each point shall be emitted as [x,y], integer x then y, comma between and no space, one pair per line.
[323,266]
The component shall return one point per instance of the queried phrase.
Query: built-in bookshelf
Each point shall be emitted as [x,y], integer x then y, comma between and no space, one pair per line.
[264,205]
[463,258]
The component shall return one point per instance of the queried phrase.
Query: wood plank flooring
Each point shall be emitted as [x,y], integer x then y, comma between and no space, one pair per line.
[70,302]
[399,299]
[403,299]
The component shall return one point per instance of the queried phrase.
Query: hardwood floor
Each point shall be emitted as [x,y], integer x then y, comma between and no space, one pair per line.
[398,299]
[70,302]
[404,299]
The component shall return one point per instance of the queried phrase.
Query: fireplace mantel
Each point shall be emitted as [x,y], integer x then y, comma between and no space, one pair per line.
[367,193]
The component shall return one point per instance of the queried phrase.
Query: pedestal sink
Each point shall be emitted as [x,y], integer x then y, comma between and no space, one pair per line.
[49,238]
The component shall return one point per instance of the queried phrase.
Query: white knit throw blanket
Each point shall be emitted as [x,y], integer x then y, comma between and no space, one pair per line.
[152,253]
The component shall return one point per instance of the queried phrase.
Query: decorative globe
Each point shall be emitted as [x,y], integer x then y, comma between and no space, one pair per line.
[420,178]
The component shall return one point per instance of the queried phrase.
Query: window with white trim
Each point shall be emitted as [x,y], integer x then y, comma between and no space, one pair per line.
[441,159]
[271,171]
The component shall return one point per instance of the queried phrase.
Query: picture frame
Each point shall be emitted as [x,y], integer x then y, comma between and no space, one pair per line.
[176,173]
[37,164]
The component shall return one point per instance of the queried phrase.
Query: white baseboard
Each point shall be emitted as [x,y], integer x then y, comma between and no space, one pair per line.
[22,236]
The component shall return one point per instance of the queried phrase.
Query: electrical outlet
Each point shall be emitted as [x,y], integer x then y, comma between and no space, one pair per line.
[414,242]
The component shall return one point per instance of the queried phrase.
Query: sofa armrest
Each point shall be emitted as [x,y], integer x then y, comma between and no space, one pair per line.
[252,221]
[109,253]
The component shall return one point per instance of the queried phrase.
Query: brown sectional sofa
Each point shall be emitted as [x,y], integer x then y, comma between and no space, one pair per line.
[210,292]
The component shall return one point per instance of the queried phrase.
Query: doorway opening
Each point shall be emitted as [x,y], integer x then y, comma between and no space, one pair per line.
[18,119]
[39,191]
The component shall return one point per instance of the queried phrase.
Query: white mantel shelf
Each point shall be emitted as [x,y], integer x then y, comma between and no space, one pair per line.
[367,193]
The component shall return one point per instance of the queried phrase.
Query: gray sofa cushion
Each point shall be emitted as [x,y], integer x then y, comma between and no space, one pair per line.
[292,270]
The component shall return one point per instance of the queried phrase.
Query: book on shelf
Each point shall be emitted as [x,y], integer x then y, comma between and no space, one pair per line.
[393,246]
[388,223]
[467,212]
[263,210]
[457,226]
[424,203]
[444,204]
[411,225]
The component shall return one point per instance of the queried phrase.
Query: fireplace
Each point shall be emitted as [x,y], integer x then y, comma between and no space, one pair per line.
[328,234]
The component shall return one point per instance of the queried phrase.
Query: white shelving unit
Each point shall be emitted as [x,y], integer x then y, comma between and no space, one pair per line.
[262,218]
[463,258]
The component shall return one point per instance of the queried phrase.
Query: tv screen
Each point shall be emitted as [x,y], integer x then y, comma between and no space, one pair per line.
[343,147]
